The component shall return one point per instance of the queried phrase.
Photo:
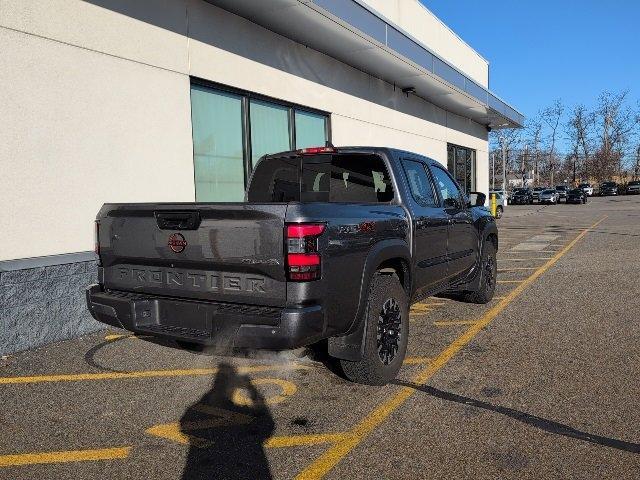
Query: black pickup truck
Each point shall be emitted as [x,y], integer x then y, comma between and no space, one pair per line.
[331,244]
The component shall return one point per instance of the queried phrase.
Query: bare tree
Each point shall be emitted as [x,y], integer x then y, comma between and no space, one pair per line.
[616,123]
[534,137]
[512,139]
[580,133]
[551,117]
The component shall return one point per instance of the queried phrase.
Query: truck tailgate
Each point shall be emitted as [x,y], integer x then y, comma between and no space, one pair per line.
[231,252]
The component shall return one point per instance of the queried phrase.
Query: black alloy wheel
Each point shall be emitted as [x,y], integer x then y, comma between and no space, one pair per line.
[389,331]
[489,271]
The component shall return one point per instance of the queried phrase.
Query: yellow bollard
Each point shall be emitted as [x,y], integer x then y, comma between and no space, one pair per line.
[494,205]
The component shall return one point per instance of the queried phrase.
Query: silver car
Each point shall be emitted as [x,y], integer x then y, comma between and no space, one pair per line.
[633,188]
[549,196]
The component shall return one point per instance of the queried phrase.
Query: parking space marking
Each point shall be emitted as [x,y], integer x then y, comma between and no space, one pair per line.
[64,456]
[454,322]
[509,281]
[78,377]
[515,269]
[329,459]
[177,432]
[288,388]
[545,237]
[115,337]
[500,259]
[528,246]
[416,360]
[303,440]
[419,308]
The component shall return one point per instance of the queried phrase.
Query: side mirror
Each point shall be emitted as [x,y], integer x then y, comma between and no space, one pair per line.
[453,203]
[477,199]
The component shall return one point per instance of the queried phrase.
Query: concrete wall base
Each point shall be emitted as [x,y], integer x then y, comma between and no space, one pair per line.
[45,304]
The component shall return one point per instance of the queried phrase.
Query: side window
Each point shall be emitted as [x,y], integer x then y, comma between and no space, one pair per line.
[419,183]
[445,185]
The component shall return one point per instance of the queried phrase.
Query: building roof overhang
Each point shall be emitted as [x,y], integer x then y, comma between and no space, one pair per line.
[352,33]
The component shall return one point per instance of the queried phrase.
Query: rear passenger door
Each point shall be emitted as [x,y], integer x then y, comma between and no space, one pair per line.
[462,242]
[430,224]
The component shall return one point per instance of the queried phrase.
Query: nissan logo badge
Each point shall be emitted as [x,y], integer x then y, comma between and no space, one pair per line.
[177,242]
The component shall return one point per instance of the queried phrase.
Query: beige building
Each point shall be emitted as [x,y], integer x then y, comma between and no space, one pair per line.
[174,100]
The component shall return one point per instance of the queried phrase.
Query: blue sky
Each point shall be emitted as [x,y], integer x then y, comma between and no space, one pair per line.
[542,50]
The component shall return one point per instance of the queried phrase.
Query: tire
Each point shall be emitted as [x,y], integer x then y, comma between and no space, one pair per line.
[488,270]
[499,211]
[378,365]
[191,346]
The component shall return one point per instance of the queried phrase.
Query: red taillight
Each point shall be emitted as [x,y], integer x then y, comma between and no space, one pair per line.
[303,259]
[302,230]
[315,150]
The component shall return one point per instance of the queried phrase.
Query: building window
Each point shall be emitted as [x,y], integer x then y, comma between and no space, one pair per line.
[461,163]
[232,129]
[270,131]
[217,145]
[310,129]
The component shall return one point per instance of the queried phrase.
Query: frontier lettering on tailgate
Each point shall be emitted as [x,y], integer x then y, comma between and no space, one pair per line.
[206,281]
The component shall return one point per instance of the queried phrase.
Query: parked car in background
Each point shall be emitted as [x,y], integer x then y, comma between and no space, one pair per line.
[522,196]
[608,188]
[587,187]
[562,192]
[633,187]
[506,195]
[536,192]
[549,196]
[577,195]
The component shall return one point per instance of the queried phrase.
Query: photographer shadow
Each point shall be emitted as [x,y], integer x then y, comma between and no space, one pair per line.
[226,434]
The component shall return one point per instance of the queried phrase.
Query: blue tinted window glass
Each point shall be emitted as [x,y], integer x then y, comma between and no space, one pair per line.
[310,130]
[217,145]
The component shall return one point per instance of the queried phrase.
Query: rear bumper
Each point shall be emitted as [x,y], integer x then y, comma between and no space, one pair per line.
[226,326]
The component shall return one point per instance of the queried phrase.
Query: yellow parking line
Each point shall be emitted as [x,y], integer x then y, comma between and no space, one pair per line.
[515,269]
[509,281]
[500,259]
[327,461]
[454,322]
[64,457]
[116,337]
[76,377]
[303,440]
[416,360]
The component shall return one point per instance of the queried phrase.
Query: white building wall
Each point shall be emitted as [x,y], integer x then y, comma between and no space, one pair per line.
[95,107]
[413,17]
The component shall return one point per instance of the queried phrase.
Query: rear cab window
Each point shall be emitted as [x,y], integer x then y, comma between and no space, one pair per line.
[339,178]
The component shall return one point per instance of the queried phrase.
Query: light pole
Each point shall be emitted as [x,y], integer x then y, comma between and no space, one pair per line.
[493,171]
[524,165]
[504,164]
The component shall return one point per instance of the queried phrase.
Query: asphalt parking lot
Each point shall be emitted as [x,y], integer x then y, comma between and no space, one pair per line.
[543,382]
